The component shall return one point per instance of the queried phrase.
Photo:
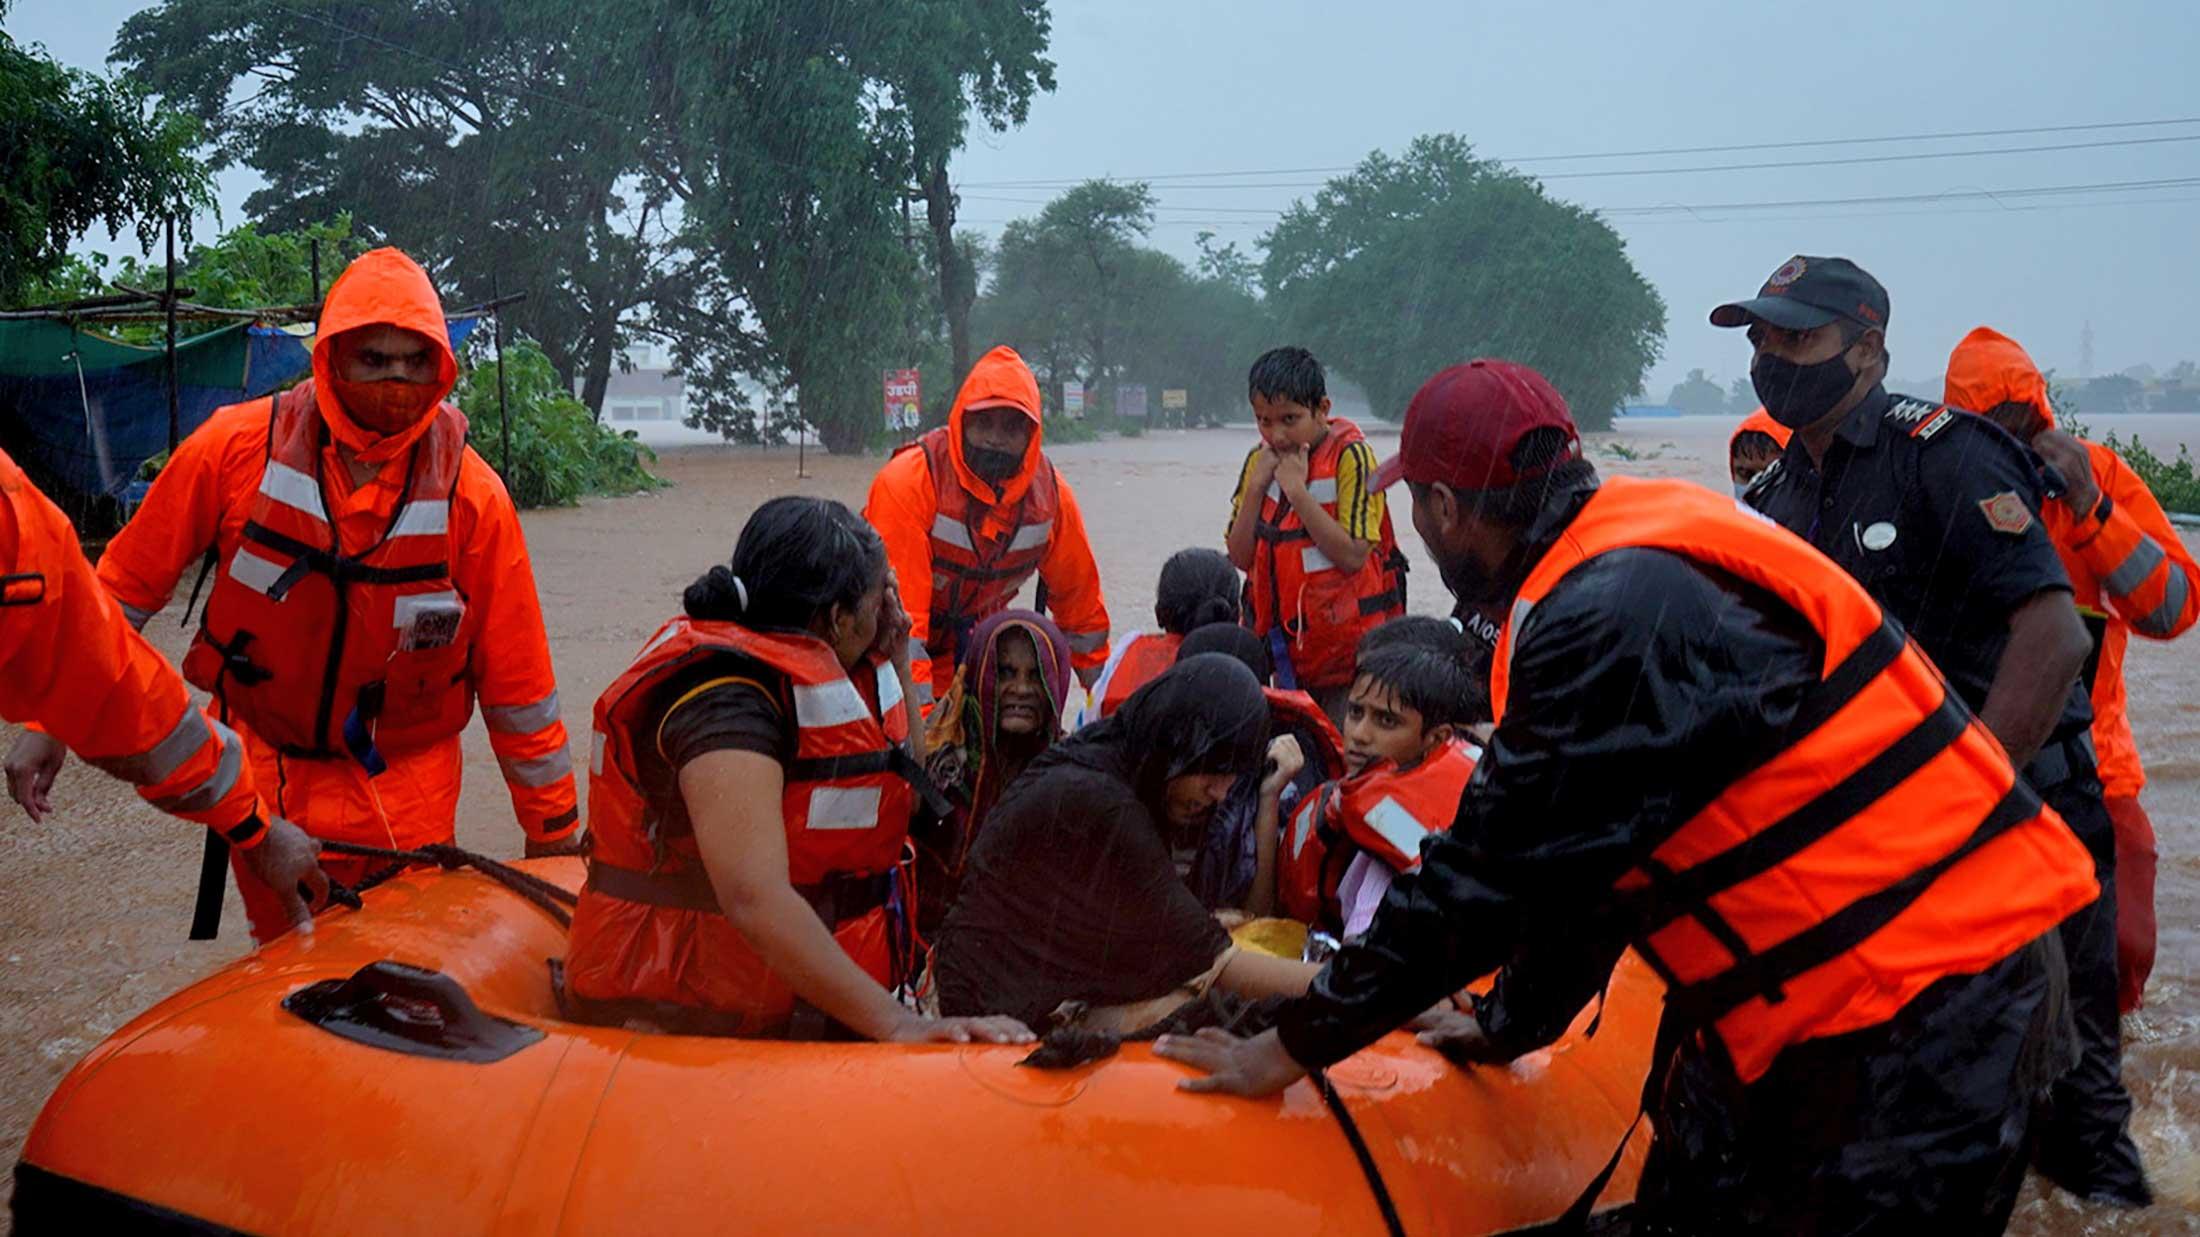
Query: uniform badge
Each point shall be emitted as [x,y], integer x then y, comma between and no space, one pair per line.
[1879,536]
[1790,271]
[2006,512]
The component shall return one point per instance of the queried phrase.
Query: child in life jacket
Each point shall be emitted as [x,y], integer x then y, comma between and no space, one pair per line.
[1309,526]
[1198,587]
[1755,444]
[1407,763]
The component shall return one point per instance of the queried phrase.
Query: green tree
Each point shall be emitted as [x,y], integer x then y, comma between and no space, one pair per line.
[78,150]
[559,450]
[1698,395]
[492,141]
[989,64]
[1409,264]
[1060,283]
[1741,397]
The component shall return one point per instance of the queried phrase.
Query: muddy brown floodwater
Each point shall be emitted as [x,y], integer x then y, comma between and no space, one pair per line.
[94,903]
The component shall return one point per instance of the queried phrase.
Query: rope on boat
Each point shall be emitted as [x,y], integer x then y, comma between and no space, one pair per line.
[1391,1223]
[553,899]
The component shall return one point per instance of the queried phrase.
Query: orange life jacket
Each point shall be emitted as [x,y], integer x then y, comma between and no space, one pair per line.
[1299,863]
[322,652]
[1143,658]
[1887,846]
[973,575]
[649,927]
[1388,810]
[1322,611]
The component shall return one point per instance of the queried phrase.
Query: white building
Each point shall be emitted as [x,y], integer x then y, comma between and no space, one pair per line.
[651,400]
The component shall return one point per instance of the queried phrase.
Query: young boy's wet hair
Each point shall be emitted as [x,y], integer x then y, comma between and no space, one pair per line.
[1420,629]
[1290,375]
[1433,681]
[1752,442]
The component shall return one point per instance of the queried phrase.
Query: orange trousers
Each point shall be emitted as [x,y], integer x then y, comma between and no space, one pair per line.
[2135,861]
[412,803]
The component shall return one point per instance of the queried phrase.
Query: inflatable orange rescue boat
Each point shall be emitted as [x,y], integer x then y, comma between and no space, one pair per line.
[404,1069]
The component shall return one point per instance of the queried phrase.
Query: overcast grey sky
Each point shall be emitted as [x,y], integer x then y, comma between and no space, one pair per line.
[1164,87]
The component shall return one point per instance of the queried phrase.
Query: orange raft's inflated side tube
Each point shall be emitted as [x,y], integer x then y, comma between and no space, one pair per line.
[219,1109]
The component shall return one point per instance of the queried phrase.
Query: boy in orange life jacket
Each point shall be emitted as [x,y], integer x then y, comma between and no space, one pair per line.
[1309,527]
[1406,766]
[1756,443]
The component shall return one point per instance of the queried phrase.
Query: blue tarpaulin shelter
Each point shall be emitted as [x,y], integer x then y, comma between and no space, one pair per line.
[83,411]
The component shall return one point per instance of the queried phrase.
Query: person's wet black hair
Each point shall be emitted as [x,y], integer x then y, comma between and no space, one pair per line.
[1435,682]
[1417,629]
[1288,374]
[796,559]
[1233,641]
[1198,587]
[1752,440]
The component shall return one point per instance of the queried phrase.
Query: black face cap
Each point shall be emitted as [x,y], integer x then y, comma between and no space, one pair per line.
[1807,293]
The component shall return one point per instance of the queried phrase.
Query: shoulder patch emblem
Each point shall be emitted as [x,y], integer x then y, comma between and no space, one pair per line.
[2006,513]
[1933,426]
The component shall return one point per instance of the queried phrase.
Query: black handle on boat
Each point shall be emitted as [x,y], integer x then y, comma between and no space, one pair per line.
[409,1009]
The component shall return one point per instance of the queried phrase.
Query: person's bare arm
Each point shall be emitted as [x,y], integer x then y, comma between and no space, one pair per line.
[1257,975]
[733,798]
[1346,552]
[2046,650]
[1287,759]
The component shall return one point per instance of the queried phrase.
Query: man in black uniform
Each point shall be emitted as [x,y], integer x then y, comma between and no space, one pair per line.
[1933,512]
[1641,685]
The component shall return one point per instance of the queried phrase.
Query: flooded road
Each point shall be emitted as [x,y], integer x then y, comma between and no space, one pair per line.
[94,903]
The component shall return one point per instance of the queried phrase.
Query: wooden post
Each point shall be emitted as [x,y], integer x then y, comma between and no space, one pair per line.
[316,272]
[504,415]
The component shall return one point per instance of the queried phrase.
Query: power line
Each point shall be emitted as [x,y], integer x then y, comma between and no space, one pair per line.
[1777,165]
[1998,197]
[1045,183]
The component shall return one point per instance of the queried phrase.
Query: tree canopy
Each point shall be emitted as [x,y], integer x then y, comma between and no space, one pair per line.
[78,150]
[736,178]
[1082,299]
[1409,264]
[1698,395]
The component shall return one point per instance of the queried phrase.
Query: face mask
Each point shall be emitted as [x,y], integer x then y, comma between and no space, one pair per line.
[1796,395]
[385,407]
[991,465]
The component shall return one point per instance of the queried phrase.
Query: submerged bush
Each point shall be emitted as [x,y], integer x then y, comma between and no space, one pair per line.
[559,451]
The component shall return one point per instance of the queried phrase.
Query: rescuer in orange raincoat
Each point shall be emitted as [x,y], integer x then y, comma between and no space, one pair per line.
[2130,572]
[71,666]
[372,583]
[971,510]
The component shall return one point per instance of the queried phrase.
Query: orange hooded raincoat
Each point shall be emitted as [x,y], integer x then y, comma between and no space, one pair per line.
[2130,566]
[921,514]
[72,666]
[1761,422]
[201,503]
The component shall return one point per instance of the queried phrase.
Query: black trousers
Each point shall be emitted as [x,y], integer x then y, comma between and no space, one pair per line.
[2083,1129]
[1919,1125]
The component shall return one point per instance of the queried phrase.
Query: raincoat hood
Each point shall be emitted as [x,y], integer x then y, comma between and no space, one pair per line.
[1989,368]
[1761,422]
[1000,379]
[384,287]
[1207,714]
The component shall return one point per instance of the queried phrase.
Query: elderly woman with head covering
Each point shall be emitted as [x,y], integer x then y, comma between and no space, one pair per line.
[1072,896]
[1003,709]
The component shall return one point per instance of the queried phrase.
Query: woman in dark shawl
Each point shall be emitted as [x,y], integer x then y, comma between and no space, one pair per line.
[1004,708]
[1071,897]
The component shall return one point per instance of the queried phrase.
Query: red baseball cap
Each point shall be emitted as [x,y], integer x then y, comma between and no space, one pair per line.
[1462,425]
